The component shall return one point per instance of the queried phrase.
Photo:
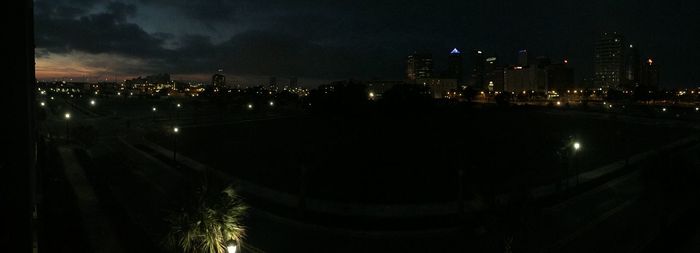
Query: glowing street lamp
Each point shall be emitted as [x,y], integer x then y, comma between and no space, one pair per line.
[272,103]
[250,106]
[43,104]
[92,102]
[663,109]
[232,247]
[576,146]
[67,117]
[175,131]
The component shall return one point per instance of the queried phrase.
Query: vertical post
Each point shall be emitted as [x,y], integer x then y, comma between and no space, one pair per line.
[174,147]
[460,193]
[302,191]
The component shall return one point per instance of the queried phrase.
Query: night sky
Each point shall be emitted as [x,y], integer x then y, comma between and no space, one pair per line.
[330,40]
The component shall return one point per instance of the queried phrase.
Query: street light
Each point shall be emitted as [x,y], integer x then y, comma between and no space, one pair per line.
[43,104]
[575,147]
[154,113]
[67,117]
[250,106]
[272,103]
[175,131]
[231,247]
[663,109]
[92,102]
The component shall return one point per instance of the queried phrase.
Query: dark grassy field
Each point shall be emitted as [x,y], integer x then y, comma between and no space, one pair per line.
[414,158]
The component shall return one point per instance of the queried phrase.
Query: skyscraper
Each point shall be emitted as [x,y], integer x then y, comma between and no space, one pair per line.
[632,65]
[419,65]
[523,58]
[478,69]
[454,65]
[649,75]
[608,61]
[218,80]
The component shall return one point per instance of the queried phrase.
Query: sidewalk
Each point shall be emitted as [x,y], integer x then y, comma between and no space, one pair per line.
[98,227]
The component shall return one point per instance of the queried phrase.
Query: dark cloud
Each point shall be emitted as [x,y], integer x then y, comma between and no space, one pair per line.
[106,32]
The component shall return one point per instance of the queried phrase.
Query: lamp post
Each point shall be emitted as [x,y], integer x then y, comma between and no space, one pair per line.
[576,146]
[175,131]
[67,117]
[154,113]
[231,246]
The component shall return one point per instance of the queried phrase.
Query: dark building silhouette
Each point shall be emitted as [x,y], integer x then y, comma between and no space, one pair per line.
[632,66]
[218,80]
[560,77]
[419,65]
[455,65]
[478,69]
[523,58]
[608,61]
[493,74]
[152,79]
[649,74]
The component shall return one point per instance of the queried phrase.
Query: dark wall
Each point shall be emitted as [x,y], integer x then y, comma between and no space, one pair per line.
[17,156]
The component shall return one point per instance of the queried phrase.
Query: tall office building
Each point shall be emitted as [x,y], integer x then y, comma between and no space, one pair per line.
[608,61]
[455,66]
[632,65]
[523,58]
[478,67]
[218,80]
[649,74]
[419,65]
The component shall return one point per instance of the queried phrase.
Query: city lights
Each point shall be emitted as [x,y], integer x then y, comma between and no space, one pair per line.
[250,106]
[272,103]
[175,129]
[153,109]
[92,102]
[67,115]
[577,145]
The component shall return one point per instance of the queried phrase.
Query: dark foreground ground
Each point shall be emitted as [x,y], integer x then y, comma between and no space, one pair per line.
[415,158]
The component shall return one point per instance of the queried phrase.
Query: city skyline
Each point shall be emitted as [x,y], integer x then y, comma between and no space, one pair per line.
[253,41]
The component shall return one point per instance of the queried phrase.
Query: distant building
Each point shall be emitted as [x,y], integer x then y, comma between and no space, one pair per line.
[608,62]
[272,82]
[649,74]
[518,78]
[523,58]
[377,87]
[631,68]
[218,80]
[439,86]
[455,65]
[493,75]
[559,77]
[419,65]
[478,69]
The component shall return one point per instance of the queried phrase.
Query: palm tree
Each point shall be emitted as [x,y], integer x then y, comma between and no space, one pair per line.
[208,223]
